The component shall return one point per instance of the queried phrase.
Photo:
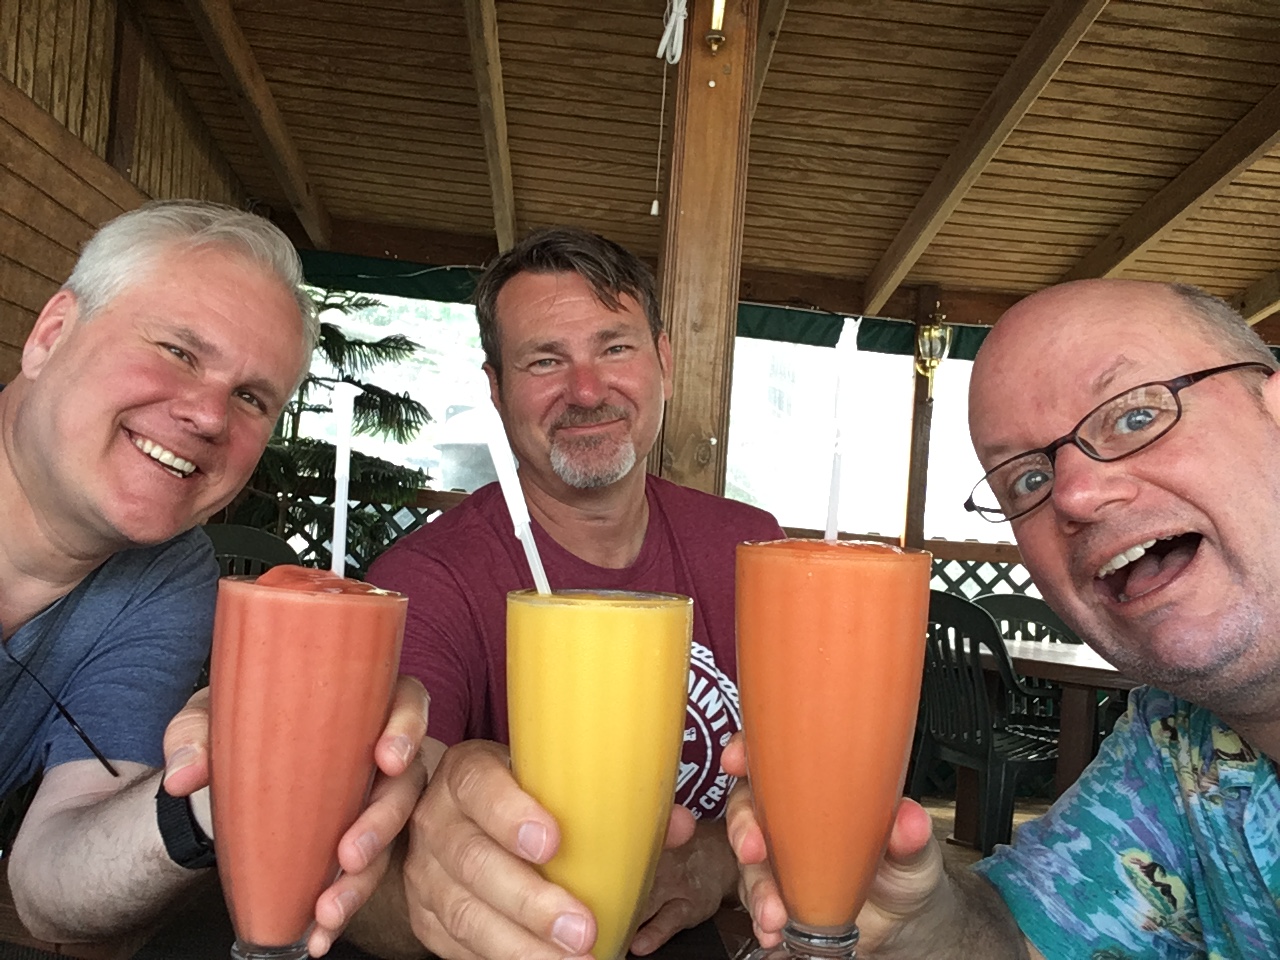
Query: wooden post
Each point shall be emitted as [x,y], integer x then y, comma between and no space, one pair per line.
[702,246]
[921,423]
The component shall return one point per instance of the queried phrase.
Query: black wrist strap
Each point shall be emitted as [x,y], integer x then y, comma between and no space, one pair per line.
[187,845]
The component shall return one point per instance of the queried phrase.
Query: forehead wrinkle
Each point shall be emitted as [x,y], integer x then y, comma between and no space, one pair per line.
[1105,379]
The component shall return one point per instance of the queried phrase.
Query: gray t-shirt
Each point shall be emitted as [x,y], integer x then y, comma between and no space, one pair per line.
[121,651]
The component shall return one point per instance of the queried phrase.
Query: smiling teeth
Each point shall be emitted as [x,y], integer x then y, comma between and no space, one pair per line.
[167,457]
[1123,559]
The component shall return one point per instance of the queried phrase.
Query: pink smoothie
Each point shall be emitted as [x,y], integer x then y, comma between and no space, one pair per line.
[301,679]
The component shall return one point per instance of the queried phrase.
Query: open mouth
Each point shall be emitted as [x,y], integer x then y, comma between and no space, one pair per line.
[166,458]
[1147,566]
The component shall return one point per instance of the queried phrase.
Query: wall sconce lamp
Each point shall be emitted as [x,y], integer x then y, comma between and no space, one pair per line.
[933,343]
[716,36]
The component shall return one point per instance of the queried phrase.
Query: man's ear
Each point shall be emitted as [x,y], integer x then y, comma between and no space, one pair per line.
[663,344]
[495,386]
[52,328]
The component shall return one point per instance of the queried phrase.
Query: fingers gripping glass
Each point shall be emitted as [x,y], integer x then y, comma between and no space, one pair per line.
[1116,428]
[66,715]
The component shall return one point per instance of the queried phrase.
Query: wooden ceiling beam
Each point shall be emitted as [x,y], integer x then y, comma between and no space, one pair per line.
[486,64]
[1052,41]
[771,16]
[1260,299]
[1257,132]
[230,49]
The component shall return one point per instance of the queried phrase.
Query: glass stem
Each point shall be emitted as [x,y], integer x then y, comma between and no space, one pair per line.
[242,950]
[805,944]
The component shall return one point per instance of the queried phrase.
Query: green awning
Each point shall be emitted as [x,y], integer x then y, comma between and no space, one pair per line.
[398,278]
[898,336]
[392,278]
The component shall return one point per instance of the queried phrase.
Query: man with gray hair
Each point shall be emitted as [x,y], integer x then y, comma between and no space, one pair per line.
[149,386]
[579,368]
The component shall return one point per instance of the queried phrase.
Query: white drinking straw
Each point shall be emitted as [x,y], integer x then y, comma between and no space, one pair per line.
[833,497]
[505,466]
[344,403]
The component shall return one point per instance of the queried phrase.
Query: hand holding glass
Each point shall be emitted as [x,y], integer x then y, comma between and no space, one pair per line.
[830,658]
[303,667]
[596,691]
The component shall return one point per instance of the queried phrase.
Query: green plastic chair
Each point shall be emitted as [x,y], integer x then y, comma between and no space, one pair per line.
[961,723]
[247,551]
[1029,618]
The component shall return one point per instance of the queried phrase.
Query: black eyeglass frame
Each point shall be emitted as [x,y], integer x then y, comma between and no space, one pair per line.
[1050,451]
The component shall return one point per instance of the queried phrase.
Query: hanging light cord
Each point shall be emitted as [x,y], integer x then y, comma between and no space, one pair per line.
[669,49]
[672,42]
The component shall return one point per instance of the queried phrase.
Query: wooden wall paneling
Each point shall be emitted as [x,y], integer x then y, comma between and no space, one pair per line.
[15,324]
[28,204]
[101,61]
[77,76]
[46,37]
[126,78]
[10,22]
[34,250]
[54,191]
[60,94]
[25,54]
[10,361]
[702,247]
[24,287]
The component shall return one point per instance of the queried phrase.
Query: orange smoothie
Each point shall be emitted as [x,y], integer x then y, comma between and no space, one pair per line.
[596,692]
[301,678]
[830,658]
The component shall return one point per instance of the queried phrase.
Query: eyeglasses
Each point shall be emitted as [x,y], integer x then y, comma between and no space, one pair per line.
[1116,428]
[66,714]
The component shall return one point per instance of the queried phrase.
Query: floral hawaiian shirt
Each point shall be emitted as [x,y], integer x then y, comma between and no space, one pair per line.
[1167,847]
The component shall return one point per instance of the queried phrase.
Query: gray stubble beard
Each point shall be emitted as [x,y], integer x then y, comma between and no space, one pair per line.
[564,465]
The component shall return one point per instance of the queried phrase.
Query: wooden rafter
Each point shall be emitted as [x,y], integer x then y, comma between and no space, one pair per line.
[1052,41]
[1260,299]
[771,15]
[482,29]
[1257,132]
[231,51]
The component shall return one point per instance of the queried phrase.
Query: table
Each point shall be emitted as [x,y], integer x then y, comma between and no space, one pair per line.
[1081,673]
[201,930]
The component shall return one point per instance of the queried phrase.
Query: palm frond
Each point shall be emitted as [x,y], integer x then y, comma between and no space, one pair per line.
[380,412]
[352,357]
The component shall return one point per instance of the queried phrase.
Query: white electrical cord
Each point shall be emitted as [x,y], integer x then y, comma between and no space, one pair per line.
[672,43]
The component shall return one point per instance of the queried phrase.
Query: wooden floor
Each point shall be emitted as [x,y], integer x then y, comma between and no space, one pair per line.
[943,812]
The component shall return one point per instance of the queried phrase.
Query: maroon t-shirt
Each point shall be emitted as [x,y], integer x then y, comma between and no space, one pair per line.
[457,571]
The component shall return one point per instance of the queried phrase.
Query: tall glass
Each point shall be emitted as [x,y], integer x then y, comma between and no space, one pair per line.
[596,690]
[830,658]
[301,679]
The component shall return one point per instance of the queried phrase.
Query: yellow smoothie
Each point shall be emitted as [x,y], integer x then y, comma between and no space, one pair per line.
[596,691]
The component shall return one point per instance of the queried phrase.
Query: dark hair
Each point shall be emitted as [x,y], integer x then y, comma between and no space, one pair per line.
[610,269]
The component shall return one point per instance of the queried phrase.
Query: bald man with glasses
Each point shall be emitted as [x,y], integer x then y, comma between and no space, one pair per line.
[1152,526]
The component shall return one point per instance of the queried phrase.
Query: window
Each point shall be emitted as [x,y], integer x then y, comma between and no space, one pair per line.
[445,375]
[782,428]
[953,466]
[782,433]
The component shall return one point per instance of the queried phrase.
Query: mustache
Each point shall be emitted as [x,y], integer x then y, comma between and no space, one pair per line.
[574,416]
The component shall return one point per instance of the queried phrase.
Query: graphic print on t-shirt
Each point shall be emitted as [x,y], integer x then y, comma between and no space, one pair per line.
[712,717]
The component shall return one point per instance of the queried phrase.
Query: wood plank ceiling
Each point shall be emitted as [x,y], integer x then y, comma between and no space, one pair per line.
[981,145]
